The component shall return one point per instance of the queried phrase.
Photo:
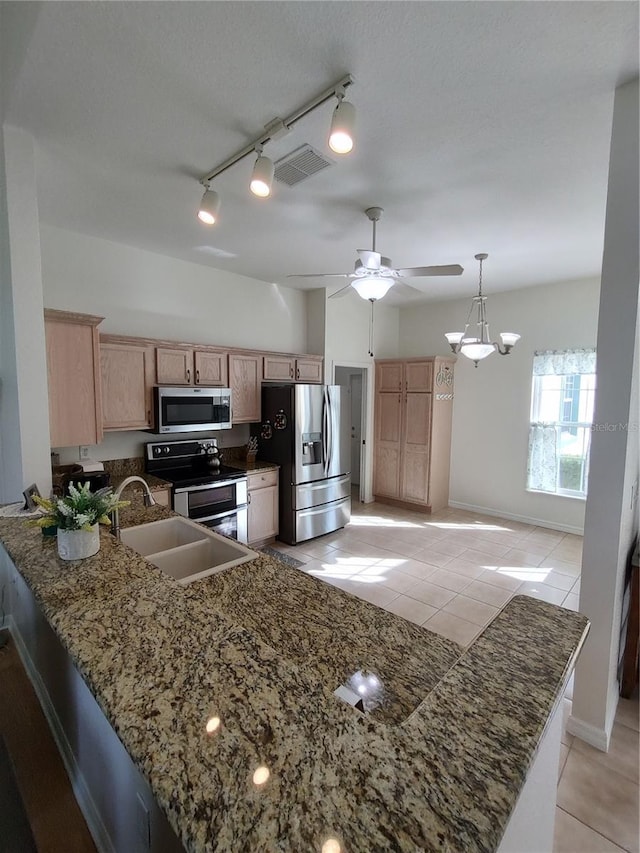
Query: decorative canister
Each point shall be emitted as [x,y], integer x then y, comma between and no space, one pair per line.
[78,544]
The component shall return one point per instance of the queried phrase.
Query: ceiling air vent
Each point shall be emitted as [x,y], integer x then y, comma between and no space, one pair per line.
[299,165]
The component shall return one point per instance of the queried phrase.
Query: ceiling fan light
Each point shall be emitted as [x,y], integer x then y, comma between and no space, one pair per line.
[262,177]
[372,288]
[209,207]
[341,134]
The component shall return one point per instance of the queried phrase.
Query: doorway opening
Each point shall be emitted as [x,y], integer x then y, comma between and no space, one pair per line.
[356,378]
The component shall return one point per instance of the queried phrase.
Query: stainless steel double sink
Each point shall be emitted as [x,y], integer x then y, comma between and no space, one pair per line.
[185,550]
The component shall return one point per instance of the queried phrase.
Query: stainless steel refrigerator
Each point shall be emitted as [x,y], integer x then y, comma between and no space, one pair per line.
[305,430]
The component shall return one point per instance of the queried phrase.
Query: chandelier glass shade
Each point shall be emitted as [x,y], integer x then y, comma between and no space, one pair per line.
[475,341]
[372,287]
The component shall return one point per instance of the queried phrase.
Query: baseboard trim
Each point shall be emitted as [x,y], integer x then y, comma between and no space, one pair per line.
[525,519]
[80,791]
[592,735]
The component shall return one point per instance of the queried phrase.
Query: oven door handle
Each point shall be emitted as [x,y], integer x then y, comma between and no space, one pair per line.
[219,515]
[214,485]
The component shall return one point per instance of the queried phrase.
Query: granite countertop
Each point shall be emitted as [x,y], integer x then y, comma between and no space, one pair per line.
[255,467]
[436,765]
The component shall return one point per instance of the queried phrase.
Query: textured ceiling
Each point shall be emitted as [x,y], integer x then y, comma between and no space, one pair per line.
[482,126]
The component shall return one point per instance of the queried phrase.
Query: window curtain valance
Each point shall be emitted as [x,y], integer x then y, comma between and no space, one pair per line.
[564,362]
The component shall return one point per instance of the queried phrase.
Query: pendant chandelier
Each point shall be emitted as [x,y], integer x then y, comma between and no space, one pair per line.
[477,344]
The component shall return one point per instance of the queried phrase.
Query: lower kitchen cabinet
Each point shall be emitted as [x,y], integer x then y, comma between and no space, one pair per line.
[262,488]
[162,497]
[127,385]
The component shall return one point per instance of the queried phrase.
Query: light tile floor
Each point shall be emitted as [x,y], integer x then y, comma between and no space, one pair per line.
[451,572]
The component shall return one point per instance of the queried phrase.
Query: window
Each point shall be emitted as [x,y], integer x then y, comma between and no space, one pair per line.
[562,400]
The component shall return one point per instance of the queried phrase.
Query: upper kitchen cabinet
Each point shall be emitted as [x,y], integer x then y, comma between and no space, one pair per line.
[282,368]
[309,370]
[245,377]
[127,369]
[184,366]
[413,408]
[211,369]
[73,372]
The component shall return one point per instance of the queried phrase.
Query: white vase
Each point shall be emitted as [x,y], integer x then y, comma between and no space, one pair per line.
[78,544]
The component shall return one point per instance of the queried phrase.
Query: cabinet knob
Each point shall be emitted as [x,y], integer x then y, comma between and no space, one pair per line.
[197,377]
[188,375]
[248,497]
[291,372]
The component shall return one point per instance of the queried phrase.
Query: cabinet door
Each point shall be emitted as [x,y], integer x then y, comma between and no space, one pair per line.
[308,370]
[418,376]
[174,366]
[388,376]
[245,376]
[73,373]
[211,369]
[279,367]
[388,434]
[262,489]
[417,447]
[127,383]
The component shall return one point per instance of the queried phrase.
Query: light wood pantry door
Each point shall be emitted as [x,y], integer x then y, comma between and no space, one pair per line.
[416,448]
[127,386]
[245,377]
[389,376]
[211,369]
[388,445]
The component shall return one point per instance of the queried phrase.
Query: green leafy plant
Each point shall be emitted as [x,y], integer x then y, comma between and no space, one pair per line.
[79,510]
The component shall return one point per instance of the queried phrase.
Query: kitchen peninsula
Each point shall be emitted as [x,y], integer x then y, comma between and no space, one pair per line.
[221,693]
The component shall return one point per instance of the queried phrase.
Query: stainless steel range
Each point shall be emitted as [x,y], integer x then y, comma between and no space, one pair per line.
[203,488]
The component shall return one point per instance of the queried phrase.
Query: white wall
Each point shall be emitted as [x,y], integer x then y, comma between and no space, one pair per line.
[24,411]
[347,331]
[492,402]
[146,294]
[611,517]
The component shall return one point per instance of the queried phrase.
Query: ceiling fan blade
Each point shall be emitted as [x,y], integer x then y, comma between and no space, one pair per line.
[342,292]
[370,260]
[405,289]
[450,269]
[321,275]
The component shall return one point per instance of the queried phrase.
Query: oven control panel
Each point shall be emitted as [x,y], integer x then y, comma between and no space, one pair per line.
[180,449]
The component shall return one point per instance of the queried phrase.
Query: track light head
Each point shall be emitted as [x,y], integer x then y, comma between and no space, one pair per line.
[262,177]
[209,207]
[341,134]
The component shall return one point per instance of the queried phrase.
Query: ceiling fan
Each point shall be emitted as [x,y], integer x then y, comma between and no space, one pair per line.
[374,274]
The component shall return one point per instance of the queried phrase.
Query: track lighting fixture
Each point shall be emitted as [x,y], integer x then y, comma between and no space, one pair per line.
[341,138]
[341,134]
[479,345]
[209,207]
[262,176]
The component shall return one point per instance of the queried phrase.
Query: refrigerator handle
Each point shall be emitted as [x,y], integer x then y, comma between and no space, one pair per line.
[325,436]
[329,432]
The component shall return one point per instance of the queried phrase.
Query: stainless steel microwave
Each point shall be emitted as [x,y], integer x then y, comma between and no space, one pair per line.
[191,409]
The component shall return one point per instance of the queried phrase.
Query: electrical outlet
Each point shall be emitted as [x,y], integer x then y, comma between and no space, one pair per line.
[83,452]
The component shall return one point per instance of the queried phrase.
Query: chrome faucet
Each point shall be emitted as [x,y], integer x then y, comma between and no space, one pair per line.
[115,514]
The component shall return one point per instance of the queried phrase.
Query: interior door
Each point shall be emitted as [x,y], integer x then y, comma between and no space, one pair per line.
[355,393]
